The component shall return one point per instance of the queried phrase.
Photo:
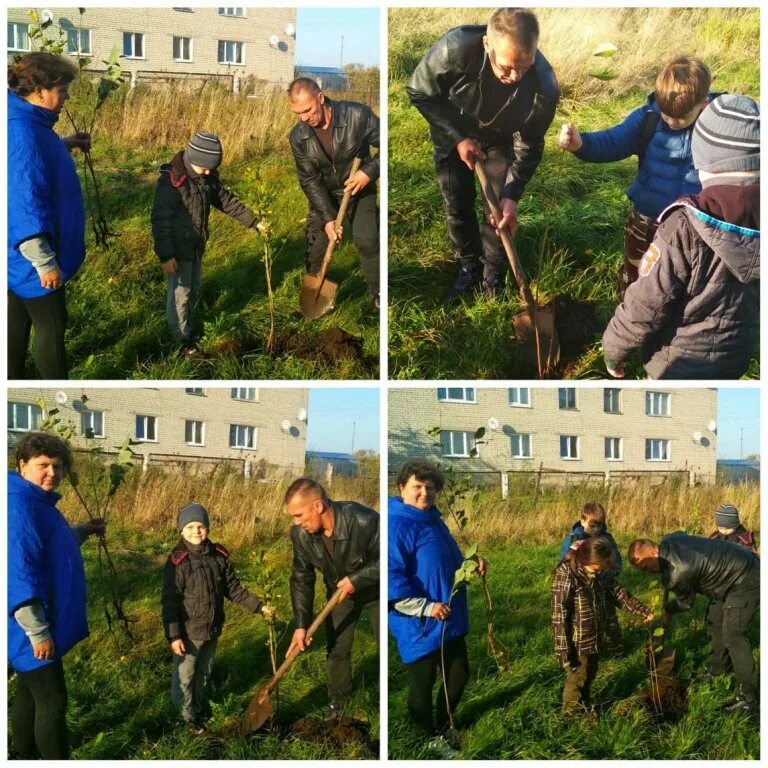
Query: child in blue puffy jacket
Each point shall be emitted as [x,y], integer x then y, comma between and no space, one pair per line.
[659,133]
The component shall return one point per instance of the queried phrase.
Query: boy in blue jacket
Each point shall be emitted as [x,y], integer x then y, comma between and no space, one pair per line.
[659,133]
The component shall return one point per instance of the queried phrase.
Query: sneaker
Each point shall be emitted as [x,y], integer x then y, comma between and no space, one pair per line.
[332,714]
[440,746]
[194,727]
[190,351]
[492,288]
[740,704]
[452,737]
[469,278]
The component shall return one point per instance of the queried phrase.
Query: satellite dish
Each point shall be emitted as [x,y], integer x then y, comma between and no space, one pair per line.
[285,425]
[712,426]
[61,397]
[302,414]
[290,30]
[493,423]
[274,41]
[697,437]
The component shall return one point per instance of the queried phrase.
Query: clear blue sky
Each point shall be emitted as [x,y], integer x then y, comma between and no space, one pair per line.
[334,413]
[737,409]
[319,32]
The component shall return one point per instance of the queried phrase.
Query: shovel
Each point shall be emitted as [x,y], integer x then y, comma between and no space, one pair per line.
[665,659]
[260,706]
[535,327]
[317,292]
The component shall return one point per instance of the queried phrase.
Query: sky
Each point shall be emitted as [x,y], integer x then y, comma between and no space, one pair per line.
[333,415]
[319,32]
[737,409]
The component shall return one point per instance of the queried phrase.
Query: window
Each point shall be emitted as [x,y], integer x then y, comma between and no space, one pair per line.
[657,403]
[567,398]
[456,395]
[92,423]
[612,400]
[521,447]
[146,428]
[240,12]
[520,397]
[242,436]
[133,45]
[182,49]
[231,52]
[194,432]
[245,393]
[23,417]
[18,37]
[613,449]
[569,446]
[657,450]
[195,391]
[457,444]
[79,42]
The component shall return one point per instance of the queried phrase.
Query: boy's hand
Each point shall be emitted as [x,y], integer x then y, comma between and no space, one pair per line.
[44,650]
[570,138]
[333,232]
[177,647]
[299,640]
[347,586]
[169,267]
[268,612]
[482,567]
[357,182]
[648,618]
[470,150]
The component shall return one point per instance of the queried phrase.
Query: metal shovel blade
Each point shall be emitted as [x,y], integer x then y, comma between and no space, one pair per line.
[316,296]
[258,712]
[546,355]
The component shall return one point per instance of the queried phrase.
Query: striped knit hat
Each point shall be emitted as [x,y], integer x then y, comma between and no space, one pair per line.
[726,136]
[727,516]
[204,150]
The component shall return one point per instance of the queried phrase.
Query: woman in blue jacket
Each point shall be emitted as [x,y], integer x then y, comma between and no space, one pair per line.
[423,558]
[46,595]
[46,218]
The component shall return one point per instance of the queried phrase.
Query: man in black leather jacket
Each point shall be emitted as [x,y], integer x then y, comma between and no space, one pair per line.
[729,575]
[341,540]
[328,137]
[488,93]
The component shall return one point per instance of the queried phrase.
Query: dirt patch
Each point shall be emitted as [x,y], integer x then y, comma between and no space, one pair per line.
[346,731]
[332,345]
[577,325]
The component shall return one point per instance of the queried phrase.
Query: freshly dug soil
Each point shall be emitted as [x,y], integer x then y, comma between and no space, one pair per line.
[346,731]
[672,696]
[577,326]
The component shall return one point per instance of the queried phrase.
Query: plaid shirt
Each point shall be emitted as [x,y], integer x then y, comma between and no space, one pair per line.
[579,606]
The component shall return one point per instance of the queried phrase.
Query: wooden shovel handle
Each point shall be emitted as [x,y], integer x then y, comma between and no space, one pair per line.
[339,219]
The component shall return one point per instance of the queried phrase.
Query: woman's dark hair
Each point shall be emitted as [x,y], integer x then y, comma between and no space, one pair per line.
[39,70]
[596,550]
[34,444]
[421,470]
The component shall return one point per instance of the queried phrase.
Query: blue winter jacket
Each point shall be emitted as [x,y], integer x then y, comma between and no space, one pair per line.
[423,558]
[579,534]
[44,196]
[667,171]
[44,564]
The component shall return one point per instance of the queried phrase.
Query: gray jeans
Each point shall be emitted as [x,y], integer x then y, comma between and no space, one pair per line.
[190,676]
[183,293]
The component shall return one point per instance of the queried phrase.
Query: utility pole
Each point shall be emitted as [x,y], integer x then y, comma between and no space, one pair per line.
[354,427]
[341,54]
[741,444]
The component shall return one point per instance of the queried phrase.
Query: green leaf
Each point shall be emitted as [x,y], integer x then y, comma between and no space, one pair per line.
[605,50]
[604,73]
[658,632]
[471,552]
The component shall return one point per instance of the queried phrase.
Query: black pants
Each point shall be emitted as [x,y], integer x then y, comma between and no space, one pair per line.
[38,714]
[48,315]
[363,214]
[422,676]
[475,245]
[339,633]
[727,624]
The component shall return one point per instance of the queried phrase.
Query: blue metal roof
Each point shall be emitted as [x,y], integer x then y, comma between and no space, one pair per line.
[320,70]
[330,455]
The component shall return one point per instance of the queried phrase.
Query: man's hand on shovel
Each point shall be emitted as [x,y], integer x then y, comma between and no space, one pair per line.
[334,232]
[470,150]
[356,182]
[508,209]
[347,587]
[299,640]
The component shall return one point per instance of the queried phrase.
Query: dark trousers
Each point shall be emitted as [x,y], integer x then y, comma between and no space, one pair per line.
[475,245]
[340,632]
[727,624]
[578,683]
[363,215]
[421,680]
[639,232]
[38,714]
[48,316]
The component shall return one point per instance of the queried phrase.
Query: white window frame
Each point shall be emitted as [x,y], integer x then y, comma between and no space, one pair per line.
[236,12]
[254,433]
[191,49]
[617,392]
[235,394]
[515,402]
[650,404]
[568,391]
[577,438]
[202,432]
[13,39]
[79,50]
[468,443]
[519,455]
[133,46]
[31,414]
[620,457]
[193,391]
[224,61]
[660,440]
[146,418]
[463,398]
[85,427]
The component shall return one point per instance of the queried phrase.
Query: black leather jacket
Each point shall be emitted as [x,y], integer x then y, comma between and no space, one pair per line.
[355,554]
[355,131]
[691,564]
[446,89]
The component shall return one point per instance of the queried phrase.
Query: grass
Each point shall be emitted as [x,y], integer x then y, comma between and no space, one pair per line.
[570,234]
[515,714]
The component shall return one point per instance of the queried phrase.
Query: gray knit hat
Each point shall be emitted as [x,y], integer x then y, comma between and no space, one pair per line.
[204,150]
[726,136]
[727,516]
[192,513]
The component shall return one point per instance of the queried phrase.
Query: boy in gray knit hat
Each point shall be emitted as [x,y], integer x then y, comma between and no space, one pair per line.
[198,576]
[729,528]
[694,309]
[187,188]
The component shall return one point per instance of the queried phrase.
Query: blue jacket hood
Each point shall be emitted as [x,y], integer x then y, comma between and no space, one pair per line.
[21,109]
[398,507]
